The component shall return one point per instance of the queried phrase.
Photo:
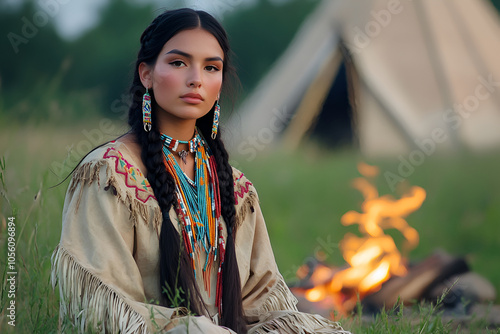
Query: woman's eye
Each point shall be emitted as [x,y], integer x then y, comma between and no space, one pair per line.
[212,68]
[177,63]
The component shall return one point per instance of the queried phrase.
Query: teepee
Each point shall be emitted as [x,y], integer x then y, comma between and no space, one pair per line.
[391,75]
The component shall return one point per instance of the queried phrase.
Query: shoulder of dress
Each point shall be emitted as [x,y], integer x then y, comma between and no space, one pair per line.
[245,195]
[121,171]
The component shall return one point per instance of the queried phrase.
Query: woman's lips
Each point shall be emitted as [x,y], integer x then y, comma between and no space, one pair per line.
[192,98]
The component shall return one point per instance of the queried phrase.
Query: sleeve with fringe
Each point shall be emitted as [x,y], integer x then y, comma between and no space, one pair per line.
[267,301]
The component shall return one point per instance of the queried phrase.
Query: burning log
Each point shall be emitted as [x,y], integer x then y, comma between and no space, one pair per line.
[418,283]
[376,272]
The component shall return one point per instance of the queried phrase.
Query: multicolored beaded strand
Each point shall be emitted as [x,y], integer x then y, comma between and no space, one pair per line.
[198,203]
[215,124]
[146,111]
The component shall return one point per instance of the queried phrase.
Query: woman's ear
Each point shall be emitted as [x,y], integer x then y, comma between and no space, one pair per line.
[146,74]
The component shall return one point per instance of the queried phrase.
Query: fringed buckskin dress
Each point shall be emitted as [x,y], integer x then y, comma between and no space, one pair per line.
[106,264]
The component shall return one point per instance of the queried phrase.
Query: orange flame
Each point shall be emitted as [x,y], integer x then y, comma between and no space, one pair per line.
[374,257]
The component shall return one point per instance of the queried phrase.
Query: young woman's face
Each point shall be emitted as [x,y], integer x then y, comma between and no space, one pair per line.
[187,76]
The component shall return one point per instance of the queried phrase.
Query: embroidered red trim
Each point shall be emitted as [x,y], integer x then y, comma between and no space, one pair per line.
[131,172]
[242,192]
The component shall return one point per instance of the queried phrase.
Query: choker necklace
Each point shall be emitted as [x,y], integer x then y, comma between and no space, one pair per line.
[172,144]
[198,207]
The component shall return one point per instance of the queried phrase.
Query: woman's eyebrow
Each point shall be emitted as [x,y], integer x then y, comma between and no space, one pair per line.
[187,55]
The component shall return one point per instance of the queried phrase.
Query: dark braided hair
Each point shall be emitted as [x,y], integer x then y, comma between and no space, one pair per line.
[175,266]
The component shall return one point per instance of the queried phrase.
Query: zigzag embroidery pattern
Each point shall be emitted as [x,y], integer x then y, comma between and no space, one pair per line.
[130,171]
[243,189]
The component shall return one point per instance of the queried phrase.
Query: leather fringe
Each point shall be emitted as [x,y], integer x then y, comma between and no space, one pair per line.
[299,323]
[281,300]
[87,302]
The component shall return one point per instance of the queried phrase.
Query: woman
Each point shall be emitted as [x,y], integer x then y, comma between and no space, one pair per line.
[159,232]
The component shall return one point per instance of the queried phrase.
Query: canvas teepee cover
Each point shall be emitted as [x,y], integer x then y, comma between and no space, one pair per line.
[424,74]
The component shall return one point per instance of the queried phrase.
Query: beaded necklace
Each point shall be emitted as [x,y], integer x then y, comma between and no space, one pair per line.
[198,205]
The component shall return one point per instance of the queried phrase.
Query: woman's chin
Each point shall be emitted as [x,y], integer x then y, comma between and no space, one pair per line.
[187,114]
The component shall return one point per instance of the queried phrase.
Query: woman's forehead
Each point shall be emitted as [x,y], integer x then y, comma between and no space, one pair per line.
[196,42]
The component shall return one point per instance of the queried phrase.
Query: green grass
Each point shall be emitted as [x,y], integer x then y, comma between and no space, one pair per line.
[303,195]
[33,157]
[424,318]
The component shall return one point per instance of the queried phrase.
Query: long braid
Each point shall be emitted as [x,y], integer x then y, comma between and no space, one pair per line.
[232,307]
[233,315]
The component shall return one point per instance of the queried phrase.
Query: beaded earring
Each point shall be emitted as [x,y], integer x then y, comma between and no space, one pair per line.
[215,125]
[146,111]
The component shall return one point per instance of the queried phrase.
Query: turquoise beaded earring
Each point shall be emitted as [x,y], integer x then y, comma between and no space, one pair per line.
[146,111]
[215,125]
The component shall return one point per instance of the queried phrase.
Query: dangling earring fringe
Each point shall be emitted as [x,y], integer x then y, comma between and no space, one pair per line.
[146,111]
[215,125]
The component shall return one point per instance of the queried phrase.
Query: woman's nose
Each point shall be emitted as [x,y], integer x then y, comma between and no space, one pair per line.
[194,79]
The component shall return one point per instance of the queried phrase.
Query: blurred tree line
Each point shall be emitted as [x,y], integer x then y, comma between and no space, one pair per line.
[45,77]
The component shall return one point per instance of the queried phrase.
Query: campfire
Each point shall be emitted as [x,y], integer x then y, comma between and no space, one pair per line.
[376,272]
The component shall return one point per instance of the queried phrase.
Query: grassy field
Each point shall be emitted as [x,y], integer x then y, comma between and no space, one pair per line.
[303,195]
